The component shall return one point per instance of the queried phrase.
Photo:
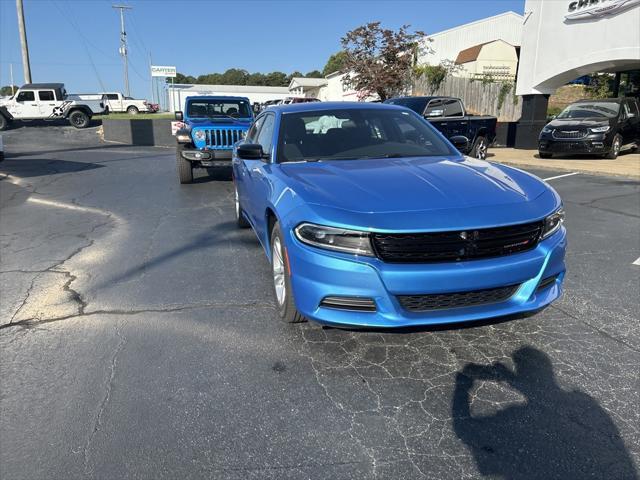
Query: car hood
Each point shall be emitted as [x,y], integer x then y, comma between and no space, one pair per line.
[415,184]
[568,123]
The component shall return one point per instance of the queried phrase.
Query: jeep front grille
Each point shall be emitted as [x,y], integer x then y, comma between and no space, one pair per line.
[223,138]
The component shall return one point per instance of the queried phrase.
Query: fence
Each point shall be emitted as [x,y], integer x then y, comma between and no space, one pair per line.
[479,97]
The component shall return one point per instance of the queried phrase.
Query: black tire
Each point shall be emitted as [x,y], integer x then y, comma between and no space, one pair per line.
[285,305]
[479,148]
[185,170]
[4,123]
[616,145]
[241,221]
[79,119]
[545,155]
[133,110]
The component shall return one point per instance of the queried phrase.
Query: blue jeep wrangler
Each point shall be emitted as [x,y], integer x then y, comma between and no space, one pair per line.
[211,125]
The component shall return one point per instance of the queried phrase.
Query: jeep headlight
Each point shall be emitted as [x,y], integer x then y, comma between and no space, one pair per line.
[602,129]
[338,239]
[547,129]
[553,223]
[199,135]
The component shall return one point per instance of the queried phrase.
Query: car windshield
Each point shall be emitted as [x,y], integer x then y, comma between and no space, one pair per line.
[591,110]
[357,133]
[218,108]
[417,104]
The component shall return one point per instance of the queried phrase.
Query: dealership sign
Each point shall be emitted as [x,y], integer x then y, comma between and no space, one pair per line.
[162,71]
[584,9]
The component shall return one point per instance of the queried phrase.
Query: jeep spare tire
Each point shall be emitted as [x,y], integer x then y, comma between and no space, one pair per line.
[79,119]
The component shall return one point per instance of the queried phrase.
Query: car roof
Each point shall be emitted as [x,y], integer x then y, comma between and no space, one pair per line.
[37,86]
[215,97]
[422,97]
[316,106]
[598,100]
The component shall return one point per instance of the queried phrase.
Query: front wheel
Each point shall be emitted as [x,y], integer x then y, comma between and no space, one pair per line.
[185,170]
[545,155]
[281,269]
[616,145]
[4,123]
[241,221]
[479,149]
[133,110]
[79,119]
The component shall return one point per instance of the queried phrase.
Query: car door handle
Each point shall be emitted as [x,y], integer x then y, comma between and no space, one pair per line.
[34,104]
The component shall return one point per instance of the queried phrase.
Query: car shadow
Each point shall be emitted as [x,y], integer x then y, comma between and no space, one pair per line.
[43,166]
[551,434]
[219,174]
[582,156]
[74,149]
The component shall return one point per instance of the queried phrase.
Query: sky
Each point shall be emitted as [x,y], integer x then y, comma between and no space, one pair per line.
[76,41]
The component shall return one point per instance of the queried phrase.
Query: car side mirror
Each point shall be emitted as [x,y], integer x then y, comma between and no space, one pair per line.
[179,116]
[460,142]
[251,151]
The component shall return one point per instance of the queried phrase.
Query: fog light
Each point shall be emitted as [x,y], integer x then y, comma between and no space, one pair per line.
[360,304]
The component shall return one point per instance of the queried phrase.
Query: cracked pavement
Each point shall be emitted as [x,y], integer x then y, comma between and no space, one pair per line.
[138,340]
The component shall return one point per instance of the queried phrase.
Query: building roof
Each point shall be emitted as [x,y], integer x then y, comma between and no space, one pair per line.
[471,54]
[307,82]
[482,20]
[230,88]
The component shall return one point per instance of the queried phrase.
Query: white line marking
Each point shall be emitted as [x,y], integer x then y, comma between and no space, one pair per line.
[637,262]
[561,176]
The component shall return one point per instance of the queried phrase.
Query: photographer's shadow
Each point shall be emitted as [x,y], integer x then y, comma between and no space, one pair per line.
[554,434]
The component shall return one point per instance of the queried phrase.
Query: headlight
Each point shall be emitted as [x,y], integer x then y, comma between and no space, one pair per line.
[553,223]
[199,135]
[547,129]
[183,138]
[600,129]
[339,239]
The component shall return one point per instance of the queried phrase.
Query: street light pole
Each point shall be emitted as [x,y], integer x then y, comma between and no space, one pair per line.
[26,66]
[123,46]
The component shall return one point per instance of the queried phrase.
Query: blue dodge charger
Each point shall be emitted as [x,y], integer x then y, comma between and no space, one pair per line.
[370,217]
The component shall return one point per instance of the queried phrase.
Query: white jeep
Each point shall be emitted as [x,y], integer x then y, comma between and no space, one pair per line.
[48,101]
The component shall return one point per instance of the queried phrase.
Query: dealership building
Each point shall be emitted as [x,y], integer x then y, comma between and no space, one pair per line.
[565,39]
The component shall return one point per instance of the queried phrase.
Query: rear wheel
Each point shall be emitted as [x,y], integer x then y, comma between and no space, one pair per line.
[133,110]
[545,155]
[280,267]
[479,149]
[4,123]
[79,119]
[185,170]
[240,220]
[616,145]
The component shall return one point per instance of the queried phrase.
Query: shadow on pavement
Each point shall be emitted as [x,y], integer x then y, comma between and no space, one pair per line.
[74,149]
[43,166]
[553,434]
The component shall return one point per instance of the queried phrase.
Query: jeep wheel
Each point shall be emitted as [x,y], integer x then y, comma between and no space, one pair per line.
[4,123]
[285,303]
[545,155]
[185,170]
[616,145]
[479,149]
[132,110]
[241,222]
[79,119]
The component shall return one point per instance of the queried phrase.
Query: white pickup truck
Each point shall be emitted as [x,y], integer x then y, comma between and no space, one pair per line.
[116,102]
[48,101]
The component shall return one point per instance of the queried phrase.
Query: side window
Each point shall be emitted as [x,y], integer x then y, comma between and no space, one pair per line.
[632,107]
[46,95]
[26,96]
[265,137]
[434,109]
[112,96]
[253,131]
[452,108]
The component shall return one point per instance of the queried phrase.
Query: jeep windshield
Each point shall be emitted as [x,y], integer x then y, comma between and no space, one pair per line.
[218,108]
[591,110]
[357,133]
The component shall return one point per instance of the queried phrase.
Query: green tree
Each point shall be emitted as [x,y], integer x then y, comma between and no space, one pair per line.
[378,60]
[314,74]
[6,90]
[277,79]
[335,63]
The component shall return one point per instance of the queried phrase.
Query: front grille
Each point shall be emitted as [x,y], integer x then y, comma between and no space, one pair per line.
[223,137]
[440,301]
[457,245]
[575,133]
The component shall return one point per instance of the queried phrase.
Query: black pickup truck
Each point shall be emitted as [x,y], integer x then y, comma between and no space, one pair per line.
[448,115]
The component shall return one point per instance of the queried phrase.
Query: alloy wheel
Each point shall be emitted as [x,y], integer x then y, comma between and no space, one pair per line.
[481,150]
[278,271]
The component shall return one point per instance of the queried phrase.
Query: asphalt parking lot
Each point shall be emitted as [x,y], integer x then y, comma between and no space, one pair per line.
[138,339]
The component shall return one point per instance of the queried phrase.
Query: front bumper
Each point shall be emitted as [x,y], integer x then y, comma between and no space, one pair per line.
[596,143]
[317,274]
[208,158]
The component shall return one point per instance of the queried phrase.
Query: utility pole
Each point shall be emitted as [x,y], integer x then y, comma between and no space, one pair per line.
[123,46]
[13,92]
[23,42]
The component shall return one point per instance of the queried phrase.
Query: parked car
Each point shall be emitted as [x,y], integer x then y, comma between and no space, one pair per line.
[210,127]
[116,102]
[48,101]
[290,100]
[448,115]
[381,222]
[604,127]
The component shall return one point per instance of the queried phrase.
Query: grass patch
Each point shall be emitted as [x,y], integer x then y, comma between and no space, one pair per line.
[140,116]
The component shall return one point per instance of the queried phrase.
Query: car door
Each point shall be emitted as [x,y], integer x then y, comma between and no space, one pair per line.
[453,122]
[629,122]
[46,102]
[241,168]
[113,102]
[258,186]
[25,105]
